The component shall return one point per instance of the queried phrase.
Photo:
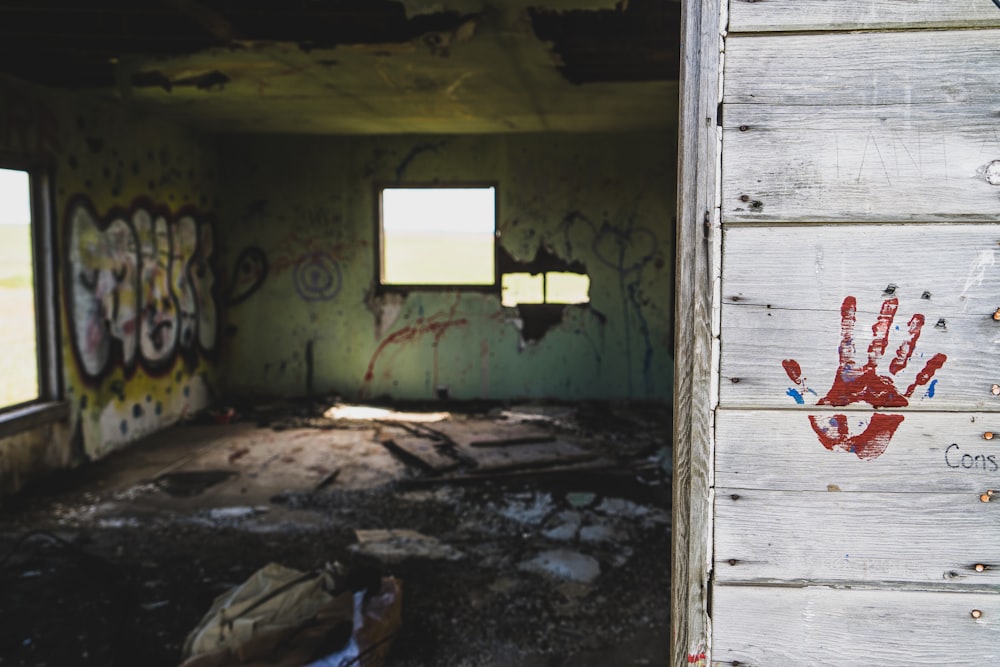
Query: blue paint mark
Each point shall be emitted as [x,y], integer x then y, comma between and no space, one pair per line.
[931,388]
[897,327]
[794,393]
[813,392]
[123,427]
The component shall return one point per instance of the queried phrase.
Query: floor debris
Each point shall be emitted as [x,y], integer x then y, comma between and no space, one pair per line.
[395,546]
[565,564]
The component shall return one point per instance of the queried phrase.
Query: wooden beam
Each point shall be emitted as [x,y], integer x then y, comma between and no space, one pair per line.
[698,244]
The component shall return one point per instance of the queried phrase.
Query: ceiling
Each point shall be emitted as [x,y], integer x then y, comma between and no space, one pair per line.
[360,66]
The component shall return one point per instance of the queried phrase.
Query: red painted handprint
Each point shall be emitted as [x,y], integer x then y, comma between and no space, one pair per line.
[854,383]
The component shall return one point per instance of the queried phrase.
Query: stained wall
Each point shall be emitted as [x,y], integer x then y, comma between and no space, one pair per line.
[303,315]
[133,203]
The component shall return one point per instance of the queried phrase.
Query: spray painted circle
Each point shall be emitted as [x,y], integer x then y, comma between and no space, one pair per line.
[317,277]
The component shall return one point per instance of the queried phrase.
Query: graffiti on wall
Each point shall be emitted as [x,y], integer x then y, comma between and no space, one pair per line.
[857,383]
[139,286]
[627,248]
[248,275]
[312,259]
[317,276]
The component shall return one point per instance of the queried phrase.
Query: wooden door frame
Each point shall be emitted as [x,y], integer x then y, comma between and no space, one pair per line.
[696,349]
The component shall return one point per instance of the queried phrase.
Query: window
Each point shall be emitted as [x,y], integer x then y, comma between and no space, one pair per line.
[549,287]
[27,309]
[437,236]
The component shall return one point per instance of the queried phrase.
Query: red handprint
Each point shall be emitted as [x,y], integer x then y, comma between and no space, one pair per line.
[863,384]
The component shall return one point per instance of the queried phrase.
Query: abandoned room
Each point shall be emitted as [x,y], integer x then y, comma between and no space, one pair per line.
[337,331]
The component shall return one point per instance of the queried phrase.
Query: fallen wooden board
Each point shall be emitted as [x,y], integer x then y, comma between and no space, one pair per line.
[494,459]
[596,466]
[489,433]
[423,452]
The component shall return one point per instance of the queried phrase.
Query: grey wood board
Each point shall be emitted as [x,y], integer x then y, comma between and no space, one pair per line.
[696,371]
[930,452]
[783,293]
[817,536]
[872,68]
[793,15]
[848,165]
[769,627]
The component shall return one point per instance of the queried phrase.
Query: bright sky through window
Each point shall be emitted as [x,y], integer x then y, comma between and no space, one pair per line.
[18,354]
[15,203]
[438,236]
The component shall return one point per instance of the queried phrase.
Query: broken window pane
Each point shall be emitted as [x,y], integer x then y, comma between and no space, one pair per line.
[564,287]
[518,288]
[18,330]
[438,236]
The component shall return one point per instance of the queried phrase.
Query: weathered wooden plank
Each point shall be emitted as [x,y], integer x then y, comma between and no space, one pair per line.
[495,459]
[877,68]
[869,127]
[766,627]
[847,165]
[935,539]
[422,451]
[490,432]
[929,452]
[785,289]
[695,371]
[794,15]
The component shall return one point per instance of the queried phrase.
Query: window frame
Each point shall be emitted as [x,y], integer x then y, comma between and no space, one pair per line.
[379,245]
[49,405]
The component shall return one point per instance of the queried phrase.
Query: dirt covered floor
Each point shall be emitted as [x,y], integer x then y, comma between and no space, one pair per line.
[544,544]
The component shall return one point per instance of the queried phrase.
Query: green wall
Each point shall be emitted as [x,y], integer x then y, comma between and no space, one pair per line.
[294,203]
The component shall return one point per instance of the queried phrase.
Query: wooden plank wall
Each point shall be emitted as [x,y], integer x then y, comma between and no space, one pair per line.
[857,442]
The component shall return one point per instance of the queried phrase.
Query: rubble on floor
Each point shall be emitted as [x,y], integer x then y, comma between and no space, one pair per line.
[542,558]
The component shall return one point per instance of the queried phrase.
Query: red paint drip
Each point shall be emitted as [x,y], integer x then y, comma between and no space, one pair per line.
[409,334]
[696,657]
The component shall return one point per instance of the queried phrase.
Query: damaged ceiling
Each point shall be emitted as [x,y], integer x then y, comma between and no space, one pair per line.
[360,66]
